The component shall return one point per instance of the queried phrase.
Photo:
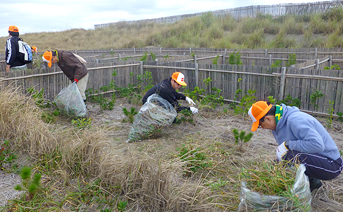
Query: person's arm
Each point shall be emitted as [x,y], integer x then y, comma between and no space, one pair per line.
[308,138]
[179,108]
[168,95]
[180,96]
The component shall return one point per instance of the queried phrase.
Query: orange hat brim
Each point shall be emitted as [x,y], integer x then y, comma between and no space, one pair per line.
[255,125]
[181,83]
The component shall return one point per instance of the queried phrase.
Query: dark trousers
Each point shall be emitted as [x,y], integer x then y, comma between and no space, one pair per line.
[317,166]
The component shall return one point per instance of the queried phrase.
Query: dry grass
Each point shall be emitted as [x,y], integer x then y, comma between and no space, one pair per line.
[149,180]
[149,175]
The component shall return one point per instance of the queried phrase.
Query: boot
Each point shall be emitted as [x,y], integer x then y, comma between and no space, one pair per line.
[315,183]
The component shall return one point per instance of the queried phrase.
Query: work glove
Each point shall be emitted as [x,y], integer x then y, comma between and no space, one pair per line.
[190,101]
[281,151]
[194,110]
[76,80]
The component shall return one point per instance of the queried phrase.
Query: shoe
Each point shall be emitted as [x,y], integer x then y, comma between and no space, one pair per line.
[315,183]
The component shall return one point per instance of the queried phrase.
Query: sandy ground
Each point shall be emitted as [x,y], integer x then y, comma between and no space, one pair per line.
[263,145]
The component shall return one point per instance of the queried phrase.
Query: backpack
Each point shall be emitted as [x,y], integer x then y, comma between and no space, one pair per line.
[25,49]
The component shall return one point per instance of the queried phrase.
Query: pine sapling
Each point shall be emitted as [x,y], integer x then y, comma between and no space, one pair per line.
[241,138]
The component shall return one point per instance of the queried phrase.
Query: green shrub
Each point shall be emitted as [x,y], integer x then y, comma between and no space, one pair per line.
[290,101]
[255,40]
[31,184]
[195,158]
[82,123]
[185,116]
[215,32]
[281,42]
[130,115]
[6,155]
[246,102]
[234,58]
[314,98]
[241,137]
[333,14]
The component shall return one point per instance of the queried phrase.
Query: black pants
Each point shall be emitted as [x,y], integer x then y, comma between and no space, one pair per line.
[317,166]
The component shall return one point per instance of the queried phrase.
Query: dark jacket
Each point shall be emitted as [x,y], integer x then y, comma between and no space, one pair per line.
[13,57]
[70,65]
[167,92]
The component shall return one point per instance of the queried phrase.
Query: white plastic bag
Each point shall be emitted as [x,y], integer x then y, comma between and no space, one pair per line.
[155,114]
[70,102]
[253,201]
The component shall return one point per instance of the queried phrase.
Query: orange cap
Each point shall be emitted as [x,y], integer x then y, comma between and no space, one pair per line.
[257,111]
[35,49]
[47,57]
[179,78]
[13,29]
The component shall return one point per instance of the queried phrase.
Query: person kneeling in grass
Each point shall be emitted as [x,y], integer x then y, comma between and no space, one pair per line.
[301,138]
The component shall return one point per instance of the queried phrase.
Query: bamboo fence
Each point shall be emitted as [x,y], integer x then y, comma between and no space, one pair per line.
[242,12]
[298,82]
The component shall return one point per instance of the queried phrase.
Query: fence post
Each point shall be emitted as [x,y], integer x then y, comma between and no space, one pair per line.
[196,74]
[224,55]
[134,50]
[317,64]
[266,52]
[316,53]
[282,82]
[160,50]
[141,67]
[190,50]
[330,61]
[270,60]
[119,56]
[97,61]
[195,59]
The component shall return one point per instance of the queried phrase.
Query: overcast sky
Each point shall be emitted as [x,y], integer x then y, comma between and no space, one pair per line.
[60,15]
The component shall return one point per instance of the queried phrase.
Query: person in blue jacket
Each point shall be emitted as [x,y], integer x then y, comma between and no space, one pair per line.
[301,138]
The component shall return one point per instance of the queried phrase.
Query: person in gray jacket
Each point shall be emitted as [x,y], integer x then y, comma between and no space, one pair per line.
[71,66]
[301,138]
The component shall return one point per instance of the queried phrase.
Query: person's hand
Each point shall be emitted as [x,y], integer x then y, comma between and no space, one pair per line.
[194,110]
[281,151]
[190,101]
[7,68]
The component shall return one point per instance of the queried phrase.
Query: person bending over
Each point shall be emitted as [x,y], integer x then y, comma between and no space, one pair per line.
[301,138]
[167,90]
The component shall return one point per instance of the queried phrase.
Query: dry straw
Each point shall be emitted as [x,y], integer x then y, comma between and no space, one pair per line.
[148,180]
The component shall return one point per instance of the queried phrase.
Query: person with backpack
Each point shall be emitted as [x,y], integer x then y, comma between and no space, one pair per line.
[72,65]
[301,139]
[16,55]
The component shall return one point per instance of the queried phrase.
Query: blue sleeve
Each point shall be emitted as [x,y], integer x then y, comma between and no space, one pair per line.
[308,138]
